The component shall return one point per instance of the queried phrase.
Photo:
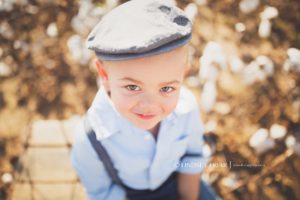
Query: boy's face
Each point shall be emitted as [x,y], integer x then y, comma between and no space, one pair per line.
[145,90]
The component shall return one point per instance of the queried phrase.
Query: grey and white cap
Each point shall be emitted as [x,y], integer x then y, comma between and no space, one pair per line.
[139,28]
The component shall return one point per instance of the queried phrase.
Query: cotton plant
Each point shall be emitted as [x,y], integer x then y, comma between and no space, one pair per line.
[264,139]
[261,141]
[258,70]
[248,6]
[278,131]
[293,144]
[211,63]
[292,63]
[87,17]
[236,65]
[5,70]
[52,30]
[265,26]
[191,11]
[77,49]
[209,96]
[8,5]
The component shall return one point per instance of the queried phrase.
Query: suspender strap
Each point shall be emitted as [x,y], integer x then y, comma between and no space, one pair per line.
[102,154]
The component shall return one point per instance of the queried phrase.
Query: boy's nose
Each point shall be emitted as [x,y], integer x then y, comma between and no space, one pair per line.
[148,104]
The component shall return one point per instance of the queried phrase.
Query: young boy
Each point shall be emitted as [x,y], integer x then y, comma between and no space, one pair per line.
[142,137]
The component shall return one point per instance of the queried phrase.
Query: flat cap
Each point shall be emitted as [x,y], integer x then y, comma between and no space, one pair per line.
[139,28]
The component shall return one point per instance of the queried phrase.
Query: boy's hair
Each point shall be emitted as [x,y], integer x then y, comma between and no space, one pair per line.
[138,29]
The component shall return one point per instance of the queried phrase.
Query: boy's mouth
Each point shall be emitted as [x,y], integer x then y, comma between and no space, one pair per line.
[146,116]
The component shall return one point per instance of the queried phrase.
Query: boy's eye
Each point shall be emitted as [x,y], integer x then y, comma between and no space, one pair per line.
[167,89]
[132,87]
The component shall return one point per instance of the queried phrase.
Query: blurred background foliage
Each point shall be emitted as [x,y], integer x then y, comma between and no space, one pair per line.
[245,65]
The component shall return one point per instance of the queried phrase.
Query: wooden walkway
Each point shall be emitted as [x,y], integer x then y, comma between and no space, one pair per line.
[45,168]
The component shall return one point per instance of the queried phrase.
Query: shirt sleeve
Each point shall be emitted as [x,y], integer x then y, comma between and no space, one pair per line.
[193,161]
[91,171]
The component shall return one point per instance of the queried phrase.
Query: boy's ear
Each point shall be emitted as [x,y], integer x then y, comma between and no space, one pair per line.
[101,70]
[103,74]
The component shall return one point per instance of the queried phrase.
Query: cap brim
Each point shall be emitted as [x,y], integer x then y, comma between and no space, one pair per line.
[161,49]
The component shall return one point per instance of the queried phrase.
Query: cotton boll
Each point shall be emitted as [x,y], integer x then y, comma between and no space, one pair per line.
[210,177]
[84,8]
[252,73]
[112,3]
[18,44]
[78,51]
[294,56]
[236,64]
[52,30]
[6,5]
[6,31]
[207,71]
[293,62]
[258,70]
[222,107]
[20,2]
[269,13]
[88,16]
[191,11]
[264,29]
[230,181]
[290,141]
[258,137]
[212,61]
[193,81]
[277,131]
[292,144]
[247,6]
[240,27]
[266,64]
[212,47]
[214,54]
[210,126]
[7,178]
[260,141]
[74,45]
[5,70]
[201,2]
[31,9]
[208,97]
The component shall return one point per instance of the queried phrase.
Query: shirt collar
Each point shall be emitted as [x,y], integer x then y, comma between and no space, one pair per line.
[103,116]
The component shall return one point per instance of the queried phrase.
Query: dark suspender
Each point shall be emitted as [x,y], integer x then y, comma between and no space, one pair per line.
[102,154]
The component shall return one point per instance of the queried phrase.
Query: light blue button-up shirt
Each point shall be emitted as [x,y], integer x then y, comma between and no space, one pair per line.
[141,161]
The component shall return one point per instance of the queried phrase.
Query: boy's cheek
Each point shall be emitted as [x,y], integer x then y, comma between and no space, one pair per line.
[170,107]
[122,103]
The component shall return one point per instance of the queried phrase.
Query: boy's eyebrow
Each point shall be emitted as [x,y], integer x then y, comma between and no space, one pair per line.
[141,83]
[170,82]
[131,79]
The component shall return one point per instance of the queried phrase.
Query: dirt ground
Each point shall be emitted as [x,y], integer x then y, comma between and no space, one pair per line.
[47,80]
